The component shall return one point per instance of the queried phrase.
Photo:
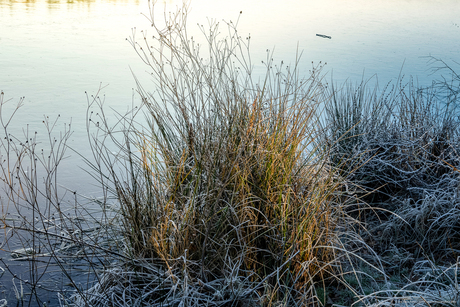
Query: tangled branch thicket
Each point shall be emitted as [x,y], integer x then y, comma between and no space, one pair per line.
[237,191]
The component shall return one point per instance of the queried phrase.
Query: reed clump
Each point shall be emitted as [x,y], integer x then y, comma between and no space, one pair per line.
[225,189]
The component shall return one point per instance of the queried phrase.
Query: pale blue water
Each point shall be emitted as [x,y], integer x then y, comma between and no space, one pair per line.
[51,52]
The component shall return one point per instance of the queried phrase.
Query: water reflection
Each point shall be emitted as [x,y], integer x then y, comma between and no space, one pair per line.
[54,4]
[67,1]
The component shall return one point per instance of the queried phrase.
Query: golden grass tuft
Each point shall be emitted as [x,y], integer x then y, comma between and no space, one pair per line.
[227,175]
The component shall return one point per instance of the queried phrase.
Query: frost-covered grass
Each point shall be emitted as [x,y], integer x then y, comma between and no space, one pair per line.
[399,148]
[402,145]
